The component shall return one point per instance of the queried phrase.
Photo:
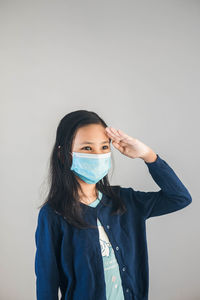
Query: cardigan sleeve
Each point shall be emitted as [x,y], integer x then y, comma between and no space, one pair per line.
[172,196]
[46,256]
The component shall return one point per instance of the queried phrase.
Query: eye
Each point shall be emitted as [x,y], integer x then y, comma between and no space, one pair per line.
[90,147]
[85,147]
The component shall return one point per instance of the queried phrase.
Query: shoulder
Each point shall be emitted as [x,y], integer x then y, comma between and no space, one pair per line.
[47,214]
[48,226]
[121,191]
[124,193]
[46,210]
[128,194]
[118,188]
[126,190]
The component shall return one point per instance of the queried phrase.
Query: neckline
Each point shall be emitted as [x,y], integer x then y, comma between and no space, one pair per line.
[96,201]
[104,198]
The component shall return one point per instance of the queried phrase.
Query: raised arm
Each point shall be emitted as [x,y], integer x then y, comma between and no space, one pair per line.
[172,196]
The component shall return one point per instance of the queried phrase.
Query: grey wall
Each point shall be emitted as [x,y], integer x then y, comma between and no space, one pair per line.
[136,63]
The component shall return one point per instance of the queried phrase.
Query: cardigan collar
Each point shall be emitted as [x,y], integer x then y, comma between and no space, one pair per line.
[105,199]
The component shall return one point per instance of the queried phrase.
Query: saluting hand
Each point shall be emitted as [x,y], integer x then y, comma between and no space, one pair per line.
[130,146]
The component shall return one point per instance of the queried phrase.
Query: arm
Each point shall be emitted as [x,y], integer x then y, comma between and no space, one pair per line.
[172,196]
[46,267]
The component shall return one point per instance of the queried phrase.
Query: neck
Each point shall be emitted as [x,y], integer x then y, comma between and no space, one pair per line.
[89,191]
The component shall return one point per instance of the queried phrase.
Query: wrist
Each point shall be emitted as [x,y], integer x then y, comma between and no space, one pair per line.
[150,157]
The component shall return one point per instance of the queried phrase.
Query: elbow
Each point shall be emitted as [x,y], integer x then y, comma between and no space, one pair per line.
[187,200]
[184,200]
[189,197]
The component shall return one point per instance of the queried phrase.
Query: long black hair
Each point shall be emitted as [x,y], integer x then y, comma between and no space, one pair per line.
[63,194]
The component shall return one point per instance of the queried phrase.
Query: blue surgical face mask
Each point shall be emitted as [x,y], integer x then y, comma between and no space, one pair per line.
[91,167]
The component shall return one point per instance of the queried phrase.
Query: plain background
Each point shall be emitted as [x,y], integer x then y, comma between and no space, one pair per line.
[135,63]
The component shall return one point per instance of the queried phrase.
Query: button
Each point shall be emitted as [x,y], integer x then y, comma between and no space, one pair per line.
[108,226]
[117,248]
[124,268]
[127,290]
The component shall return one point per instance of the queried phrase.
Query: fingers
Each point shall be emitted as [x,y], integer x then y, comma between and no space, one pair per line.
[118,135]
[112,134]
[122,133]
[118,146]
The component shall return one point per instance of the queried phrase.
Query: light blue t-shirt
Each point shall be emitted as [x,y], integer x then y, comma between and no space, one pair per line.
[114,289]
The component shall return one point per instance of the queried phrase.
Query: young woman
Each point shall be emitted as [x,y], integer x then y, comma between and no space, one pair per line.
[90,236]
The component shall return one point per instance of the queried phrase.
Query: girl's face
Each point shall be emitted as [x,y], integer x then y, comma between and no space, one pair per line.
[91,139]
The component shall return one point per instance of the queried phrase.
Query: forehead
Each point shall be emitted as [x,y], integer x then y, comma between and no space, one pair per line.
[93,133]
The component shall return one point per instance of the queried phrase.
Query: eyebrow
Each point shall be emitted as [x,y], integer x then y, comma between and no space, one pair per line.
[86,142]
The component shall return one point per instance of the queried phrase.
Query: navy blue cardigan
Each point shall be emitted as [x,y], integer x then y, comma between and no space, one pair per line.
[70,258]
